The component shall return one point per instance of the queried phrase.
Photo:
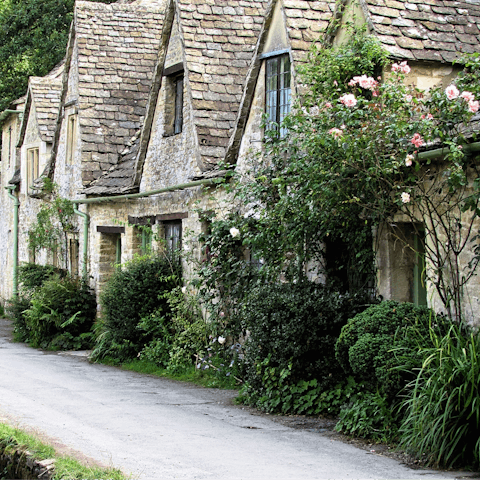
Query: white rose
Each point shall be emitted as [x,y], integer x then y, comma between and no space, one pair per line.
[234,232]
[221,340]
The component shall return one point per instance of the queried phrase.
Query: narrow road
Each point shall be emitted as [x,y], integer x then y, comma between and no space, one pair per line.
[154,429]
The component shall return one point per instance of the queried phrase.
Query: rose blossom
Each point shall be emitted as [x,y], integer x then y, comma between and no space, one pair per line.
[184,289]
[365,82]
[468,96]
[452,92]
[328,105]
[408,98]
[405,197]
[417,140]
[473,106]
[402,67]
[409,160]
[336,132]
[221,340]
[348,100]
[234,232]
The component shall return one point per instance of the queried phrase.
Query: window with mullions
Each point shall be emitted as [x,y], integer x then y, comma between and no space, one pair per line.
[278,91]
[32,166]
[173,235]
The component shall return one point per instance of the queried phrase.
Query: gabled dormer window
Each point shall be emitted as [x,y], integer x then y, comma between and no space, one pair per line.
[278,91]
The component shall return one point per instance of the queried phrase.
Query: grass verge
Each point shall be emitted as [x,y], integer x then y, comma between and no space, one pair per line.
[205,378]
[66,468]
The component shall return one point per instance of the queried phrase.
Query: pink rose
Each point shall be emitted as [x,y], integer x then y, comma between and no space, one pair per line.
[348,100]
[452,92]
[468,96]
[473,106]
[405,197]
[417,140]
[336,132]
[404,68]
[409,160]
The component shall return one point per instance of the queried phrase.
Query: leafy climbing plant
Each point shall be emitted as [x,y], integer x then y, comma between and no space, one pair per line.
[55,220]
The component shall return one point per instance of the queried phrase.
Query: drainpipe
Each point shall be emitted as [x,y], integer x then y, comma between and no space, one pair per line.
[86,221]
[429,154]
[86,218]
[16,204]
[114,198]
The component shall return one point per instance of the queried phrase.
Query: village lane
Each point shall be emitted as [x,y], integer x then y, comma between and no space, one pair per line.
[154,428]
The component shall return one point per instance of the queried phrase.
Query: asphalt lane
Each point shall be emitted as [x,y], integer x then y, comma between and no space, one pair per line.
[155,429]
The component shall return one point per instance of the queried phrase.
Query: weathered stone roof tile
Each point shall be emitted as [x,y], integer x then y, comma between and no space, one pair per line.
[437,30]
[117,53]
[220,39]
[45,94]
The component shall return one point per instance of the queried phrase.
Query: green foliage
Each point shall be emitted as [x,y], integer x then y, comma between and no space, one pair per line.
[32,275]
[2,311]
[297,325]
[16,308]
[13,439]
[362,54]
[133,293]
[374,342]
[442,408]
[33,39]
[61,314]
[306,397]
[369,415]
[55,220]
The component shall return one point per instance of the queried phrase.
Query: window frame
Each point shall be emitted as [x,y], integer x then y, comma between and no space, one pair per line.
[168,246]
[178,87]
[277,111]
[71,137]
[33,166]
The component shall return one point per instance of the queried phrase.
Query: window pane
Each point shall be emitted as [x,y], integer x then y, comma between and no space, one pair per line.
[178,122]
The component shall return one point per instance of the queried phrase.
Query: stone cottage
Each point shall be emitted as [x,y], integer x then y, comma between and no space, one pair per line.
[155,95]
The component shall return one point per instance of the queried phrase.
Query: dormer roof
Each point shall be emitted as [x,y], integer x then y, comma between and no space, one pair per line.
[43,94]
[435,30]
[117,53]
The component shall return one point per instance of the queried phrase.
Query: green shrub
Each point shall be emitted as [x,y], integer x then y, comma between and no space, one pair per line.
[61,306]
[2,310]
[368,415]
[32,275]
[305,397]
[16,308]
[131,294]
[442,407]
[377,340]
[296,327]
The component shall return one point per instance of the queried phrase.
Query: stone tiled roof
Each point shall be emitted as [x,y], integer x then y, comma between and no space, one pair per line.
[438,30]
[117,53]
[45,93]
[220,39]
[119,179]
[306,23]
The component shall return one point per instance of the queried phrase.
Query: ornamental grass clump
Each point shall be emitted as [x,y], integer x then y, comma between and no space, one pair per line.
[442,405]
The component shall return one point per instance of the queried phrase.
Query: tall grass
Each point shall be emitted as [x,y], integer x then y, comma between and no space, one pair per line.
[442,406]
